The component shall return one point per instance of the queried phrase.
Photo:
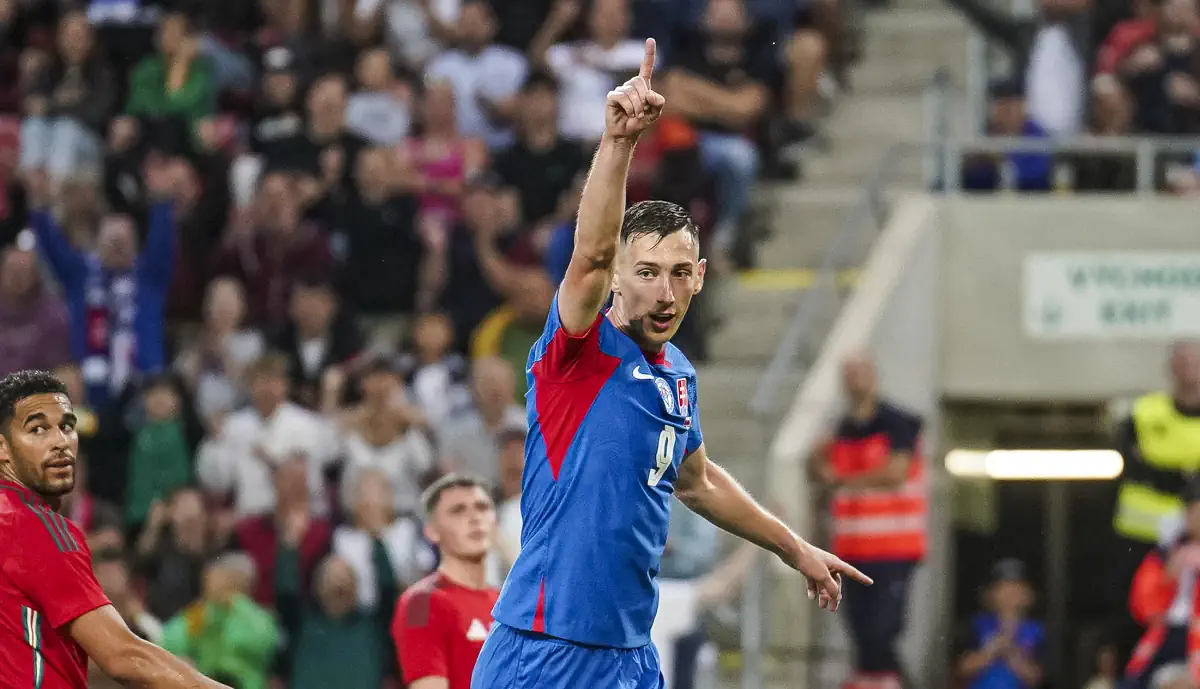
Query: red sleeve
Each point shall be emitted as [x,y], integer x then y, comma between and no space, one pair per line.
[1121,42]
[567,357]
[420,635]
[54,567]
[1152,591]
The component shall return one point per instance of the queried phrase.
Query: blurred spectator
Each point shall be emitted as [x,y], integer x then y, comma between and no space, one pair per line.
[486,77]
[89,512]
[277,112]
[588,69]
[225,634]
[386,551]
[436,375]
[541,165]
[160,460]
[379,111]
[68,105]
[520,22]
[333,640]
[34,327]
[324,132]
[116,294]
[318,335]
[1003,648]
[471,443]
[508,508]
[441,621]
[1048,54]
[214,361]
[1106,670]
[874,469]
[561,244]
[383,254]
[1026,171]
[171,551]
[254,441]
[383,433]
[414,30]
[717,79]
[269,250]
[1163,598]
[171,91]
[114,577]
[1159,445]
[261,537]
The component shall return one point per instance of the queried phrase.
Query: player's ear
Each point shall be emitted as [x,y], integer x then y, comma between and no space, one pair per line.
[431,533]
[701,269]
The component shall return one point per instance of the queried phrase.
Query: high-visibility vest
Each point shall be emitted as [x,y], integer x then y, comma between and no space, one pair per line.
[1167,441]
[877,524]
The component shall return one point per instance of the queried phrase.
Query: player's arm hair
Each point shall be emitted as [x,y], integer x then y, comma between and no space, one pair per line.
[709,491]
[586,285]
[131,661]
[430,683]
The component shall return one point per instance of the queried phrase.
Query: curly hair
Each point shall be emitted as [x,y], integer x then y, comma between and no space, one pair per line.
[17,386]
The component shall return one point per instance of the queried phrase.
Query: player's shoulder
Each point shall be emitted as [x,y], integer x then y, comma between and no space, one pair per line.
[34,527]
[424,601]
[678,361]
[894,415]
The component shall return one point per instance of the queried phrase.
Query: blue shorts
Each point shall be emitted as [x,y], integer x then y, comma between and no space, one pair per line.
[517,659]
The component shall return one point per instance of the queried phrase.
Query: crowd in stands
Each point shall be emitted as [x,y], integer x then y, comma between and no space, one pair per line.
[289,256]
[1090,67]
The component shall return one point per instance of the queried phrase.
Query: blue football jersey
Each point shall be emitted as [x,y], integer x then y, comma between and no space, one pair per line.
[609,426]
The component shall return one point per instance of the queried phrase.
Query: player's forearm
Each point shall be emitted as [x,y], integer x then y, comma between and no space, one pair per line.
[151,667]
[722,501]
[602,205]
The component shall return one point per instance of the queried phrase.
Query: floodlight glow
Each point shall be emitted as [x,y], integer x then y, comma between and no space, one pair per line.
[1035,465]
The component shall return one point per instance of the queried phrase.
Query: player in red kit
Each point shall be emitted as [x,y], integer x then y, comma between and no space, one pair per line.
[53,615]
[442,620]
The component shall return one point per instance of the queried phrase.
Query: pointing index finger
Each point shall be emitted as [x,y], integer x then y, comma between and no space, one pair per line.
[648,61]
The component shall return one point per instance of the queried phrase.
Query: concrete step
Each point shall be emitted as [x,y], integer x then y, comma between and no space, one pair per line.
[803,230]
[904,46]
[754,323]
[850,163]
[878,119]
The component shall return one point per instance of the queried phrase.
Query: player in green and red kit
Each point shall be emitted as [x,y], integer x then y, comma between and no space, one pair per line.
[53,615]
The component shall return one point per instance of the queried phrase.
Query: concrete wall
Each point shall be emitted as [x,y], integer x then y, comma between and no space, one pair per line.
[986,352]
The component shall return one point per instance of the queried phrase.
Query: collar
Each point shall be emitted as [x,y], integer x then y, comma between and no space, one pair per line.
[26,493]
[658,358]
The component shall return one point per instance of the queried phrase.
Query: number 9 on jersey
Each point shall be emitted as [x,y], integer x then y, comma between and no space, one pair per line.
[666,453]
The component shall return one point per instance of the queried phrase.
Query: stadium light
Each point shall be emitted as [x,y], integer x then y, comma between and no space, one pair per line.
[1035,465]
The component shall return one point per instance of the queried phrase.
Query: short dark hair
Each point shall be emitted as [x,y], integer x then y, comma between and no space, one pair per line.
[17,386]
[433,494]
[539,80]
[661,218]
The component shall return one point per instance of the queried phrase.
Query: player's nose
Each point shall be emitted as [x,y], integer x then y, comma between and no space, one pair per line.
[666,293]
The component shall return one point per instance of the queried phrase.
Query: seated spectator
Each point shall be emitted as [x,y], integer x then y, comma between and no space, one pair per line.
[116,294]
[214,361]
[245,454]
[69,105]
[318,335]
[34,326]
[379,111]
[91,513]
[436,375]
[333,640]
[470,443]
[541,165]
[325,130]
[160,460]
[261,537]
[375,535]
[224,634]
[1027,171]
[414,31]
[271,248]
[1162,72]
[588,69]
[717,79]
[171,91]
[277,115]
[114,577]
[383,433]
[443,160]
[1003,647]
[170,553]
[384,257]
[1164,598]
[508,507]
[486,77]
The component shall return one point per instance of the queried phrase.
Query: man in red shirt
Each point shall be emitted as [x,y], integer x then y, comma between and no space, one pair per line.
[53,614]
[442,620]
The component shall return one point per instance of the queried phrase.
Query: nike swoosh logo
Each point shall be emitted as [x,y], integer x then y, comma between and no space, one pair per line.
[637,374]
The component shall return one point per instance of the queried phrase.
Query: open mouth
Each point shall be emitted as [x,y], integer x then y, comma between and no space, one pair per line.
[660,322]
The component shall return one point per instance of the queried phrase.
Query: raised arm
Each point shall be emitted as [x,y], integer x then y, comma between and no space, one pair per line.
[631,109]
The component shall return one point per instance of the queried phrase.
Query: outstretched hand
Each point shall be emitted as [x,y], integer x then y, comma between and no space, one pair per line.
[633,107]
[824,574]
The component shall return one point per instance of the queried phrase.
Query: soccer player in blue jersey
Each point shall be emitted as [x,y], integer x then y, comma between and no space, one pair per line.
[613,432]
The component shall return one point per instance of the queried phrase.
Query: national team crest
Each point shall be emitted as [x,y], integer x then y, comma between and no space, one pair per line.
[665,391]
[681,388]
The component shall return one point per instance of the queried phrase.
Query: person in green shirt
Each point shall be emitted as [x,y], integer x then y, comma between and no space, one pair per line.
[175,83]
[160,460]
[225,634]
[333,641]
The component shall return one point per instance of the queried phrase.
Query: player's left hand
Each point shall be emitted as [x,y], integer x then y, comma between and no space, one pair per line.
[633,106]
[824,572]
